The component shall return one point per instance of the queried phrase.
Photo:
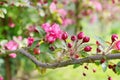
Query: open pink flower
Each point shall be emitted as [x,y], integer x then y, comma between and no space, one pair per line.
[13,55]
[117,45]
[52,32]
[11,45]
[46,27]
[50,38]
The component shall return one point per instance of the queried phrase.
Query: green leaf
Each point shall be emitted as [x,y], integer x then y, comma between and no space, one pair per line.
[115,51]
[76,65]
[41,70]
[104,66]
[2,14]
[117,68]
[84,54]
[60,44]
[97,63]
[35,43]
[4,10]
[44,47]
[1,62]
[41,31]
[49,2]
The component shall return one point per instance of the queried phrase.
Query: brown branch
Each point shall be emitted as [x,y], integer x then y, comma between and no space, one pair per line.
[89,59]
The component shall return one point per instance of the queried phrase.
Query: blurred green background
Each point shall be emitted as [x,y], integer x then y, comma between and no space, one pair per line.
[26,13]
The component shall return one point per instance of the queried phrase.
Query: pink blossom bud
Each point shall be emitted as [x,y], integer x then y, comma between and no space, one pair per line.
[87,48]
[30,41]
[86,39]
[114,37]
[69,45]
[94,70]
[80,35]
[73,38]
[64,35]
[11,24]
[109,78]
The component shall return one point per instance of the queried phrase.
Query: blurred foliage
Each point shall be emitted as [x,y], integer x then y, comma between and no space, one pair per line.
[18,16]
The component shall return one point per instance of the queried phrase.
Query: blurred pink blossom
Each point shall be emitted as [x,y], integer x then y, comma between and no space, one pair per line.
[62,12]
[67,21]
[11,45]
[12,55]
[31,28]
[1,78]
[19,38]
[97,5]
[11,24]
[30,41]
[93,19]
[52,7]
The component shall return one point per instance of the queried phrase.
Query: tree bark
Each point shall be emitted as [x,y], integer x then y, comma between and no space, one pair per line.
[8,75]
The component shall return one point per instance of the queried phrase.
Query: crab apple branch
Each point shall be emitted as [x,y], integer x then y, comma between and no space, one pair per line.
[89,59]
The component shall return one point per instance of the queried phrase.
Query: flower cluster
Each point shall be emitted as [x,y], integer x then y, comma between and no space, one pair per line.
[76,44]
[53,32]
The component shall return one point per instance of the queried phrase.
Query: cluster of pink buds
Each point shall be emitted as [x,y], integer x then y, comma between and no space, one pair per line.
[84,39]
[76,41]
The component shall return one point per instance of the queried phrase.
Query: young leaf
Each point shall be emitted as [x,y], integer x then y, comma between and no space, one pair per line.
[60,44]
[34,44]
[76,65]
[41,31]
[97,63]
[41,70]
[115,51]
[44,47]
[117,68]
[84,54]
[104,66]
